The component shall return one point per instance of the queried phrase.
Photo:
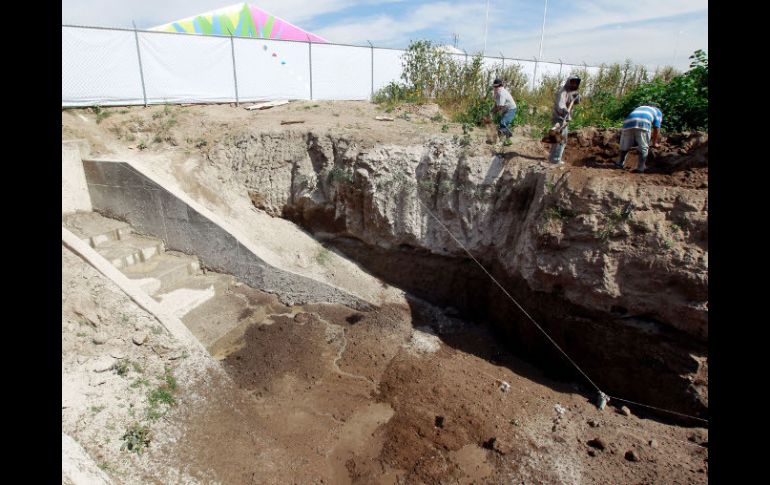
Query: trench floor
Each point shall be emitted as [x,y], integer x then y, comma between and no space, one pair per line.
[407,394]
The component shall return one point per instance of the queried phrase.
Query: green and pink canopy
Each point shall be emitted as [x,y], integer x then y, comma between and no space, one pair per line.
[241,20]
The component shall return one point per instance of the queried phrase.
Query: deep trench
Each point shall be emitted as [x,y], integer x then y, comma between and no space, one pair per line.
[637,359]
[623,360]
[640,360]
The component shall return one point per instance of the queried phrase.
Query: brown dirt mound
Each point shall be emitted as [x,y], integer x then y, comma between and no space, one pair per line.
[676,152]
[681,160]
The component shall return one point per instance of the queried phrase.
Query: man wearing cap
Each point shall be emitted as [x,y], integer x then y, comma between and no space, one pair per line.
[636,131]
[562,114]
[504,104]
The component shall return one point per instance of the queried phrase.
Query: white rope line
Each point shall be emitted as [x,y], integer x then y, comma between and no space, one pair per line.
[508,294]
[601,393]
[657,408]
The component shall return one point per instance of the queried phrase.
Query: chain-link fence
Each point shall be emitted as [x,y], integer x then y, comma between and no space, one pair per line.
[107,66]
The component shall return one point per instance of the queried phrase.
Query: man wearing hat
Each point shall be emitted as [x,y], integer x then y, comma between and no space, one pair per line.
[636,131]
[566,97]
[504,104]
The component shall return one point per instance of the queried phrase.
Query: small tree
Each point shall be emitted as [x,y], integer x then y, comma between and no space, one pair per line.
[683,100]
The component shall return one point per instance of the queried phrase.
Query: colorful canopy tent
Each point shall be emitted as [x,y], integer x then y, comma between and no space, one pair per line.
[240,20]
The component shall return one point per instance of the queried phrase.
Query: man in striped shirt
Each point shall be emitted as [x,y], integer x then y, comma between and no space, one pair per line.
[636,130]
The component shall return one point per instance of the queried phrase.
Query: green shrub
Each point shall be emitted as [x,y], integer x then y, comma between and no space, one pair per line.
[463,90]
[136,438]
[683,100]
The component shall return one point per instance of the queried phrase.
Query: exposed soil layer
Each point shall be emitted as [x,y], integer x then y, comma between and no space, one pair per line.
[576,248]
[681,160]
[333,395]
[650,371]
[409,395]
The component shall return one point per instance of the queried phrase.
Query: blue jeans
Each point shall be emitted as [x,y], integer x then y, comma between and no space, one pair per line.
[557,150]
[505,122]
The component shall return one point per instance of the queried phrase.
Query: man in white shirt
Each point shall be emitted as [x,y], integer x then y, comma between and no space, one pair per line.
[561,115]
[504,104]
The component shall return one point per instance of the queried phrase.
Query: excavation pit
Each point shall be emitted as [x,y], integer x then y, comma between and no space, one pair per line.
[408,389]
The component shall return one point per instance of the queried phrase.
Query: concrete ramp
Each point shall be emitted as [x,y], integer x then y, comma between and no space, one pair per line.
[124,191]
[77,468]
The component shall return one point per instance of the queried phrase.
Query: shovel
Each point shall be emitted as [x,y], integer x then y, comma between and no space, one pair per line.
[554,134]
[491,130]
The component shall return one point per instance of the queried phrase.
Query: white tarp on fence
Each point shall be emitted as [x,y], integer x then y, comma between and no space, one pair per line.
[186,68]
[492,64]
[341,72]
[269,70]
[387,67]
[99,67]
[102,66]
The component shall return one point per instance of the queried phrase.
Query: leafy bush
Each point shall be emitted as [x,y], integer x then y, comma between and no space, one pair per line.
[463,89]
[136,438]
[683,100]
[598,110]
[474,111]
[394,93]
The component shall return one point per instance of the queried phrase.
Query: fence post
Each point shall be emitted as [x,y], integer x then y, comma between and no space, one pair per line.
[466,57]
[503,56]
[534,74]
[141,71]
[235,74]
[310,63]
[372,47]
[560,66]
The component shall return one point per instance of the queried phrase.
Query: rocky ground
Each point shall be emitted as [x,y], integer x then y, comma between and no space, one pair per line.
[122,375]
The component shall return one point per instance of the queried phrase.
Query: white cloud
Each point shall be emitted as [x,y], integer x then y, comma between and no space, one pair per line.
[647,42]
[586,14]
[376,29]
[442,18]
[297,11]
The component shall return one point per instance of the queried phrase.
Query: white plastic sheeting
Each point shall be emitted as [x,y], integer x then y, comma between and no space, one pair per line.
[186,68]
[269,70]
[548,69]
[341,72]
[461,59]
[99,67]
[492,64]
[387,67]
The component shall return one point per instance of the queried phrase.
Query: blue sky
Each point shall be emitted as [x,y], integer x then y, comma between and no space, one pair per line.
[650,32]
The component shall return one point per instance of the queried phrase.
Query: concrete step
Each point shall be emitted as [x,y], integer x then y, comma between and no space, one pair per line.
[95,228]
[162,271]
[129,250]
[214,306]
[187,294]
[217,308]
